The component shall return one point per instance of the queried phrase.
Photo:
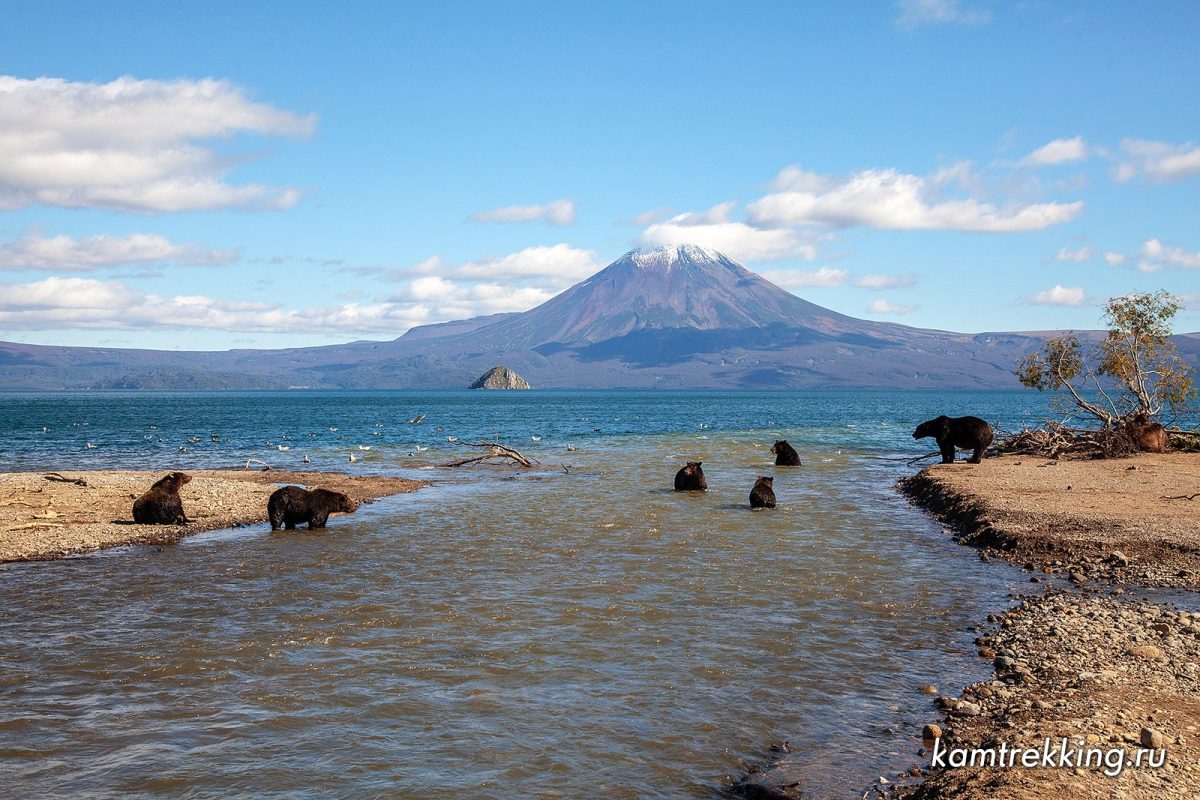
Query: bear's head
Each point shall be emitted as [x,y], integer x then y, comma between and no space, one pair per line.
[692,467]
[172,482]
[937,427]
[766,481]
[781,444]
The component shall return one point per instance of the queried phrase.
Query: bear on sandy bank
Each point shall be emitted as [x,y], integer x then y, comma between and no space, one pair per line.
[952,432]
[162,505]
[785,454]
[292,504]
[763,493]
[691,478]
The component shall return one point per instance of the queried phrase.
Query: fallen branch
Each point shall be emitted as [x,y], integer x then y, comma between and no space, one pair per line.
[495,451]
[919,459]
[1180,496]
[29,525]
[54,476]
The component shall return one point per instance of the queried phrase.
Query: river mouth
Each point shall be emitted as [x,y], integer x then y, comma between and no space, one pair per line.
[507,633]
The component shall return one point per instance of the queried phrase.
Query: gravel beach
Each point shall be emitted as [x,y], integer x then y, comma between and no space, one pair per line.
[45,519]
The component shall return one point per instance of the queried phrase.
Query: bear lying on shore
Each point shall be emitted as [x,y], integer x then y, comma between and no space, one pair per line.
[952,432]
[292,504]
[785,454]
[763,493]
[1149,436]
[162,505]
[691,478]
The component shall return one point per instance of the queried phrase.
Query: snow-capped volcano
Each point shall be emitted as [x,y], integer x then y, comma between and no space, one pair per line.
[676,286]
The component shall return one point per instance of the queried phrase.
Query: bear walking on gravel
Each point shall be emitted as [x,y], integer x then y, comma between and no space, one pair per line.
[785,454]
[162,505]
[293,504]
[951,432]
[691,478]
[763,493]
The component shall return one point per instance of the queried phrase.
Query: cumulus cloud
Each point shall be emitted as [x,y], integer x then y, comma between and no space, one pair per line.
[800,279]
[652,216]
[1155,256]
[1077,256]
[557,212]
[882,282]
[1060,296]
[1114,259]
[888,307]
[132,144]
[1059,151]
[915,13]
[891,200]
[449,299]
[1157,161]
[716,229]
[65,254]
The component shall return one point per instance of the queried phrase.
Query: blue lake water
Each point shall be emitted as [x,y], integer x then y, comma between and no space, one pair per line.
[503,633]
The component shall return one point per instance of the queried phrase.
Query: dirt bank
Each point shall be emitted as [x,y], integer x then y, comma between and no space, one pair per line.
[1099,519]
[43,519]
[1103,672]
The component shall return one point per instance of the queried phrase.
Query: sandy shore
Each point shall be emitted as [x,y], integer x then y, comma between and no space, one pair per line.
[1084,663]
[42,519]
[1099,519]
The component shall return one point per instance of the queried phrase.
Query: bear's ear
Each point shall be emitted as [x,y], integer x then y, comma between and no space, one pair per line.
[698,463]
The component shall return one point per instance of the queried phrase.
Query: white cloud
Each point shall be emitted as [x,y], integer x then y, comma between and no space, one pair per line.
[914,13]
[1059,296]
[560,264]
[558,212]
[65,254]
[1059,151]
[1077,256]
[882,282]
[892,200]
[799,279]
[888,307]
[448,299]
[1158,161]
[1155,256]
[652,216]
[1114,259]
[715,229]
[84,303]
[132,144]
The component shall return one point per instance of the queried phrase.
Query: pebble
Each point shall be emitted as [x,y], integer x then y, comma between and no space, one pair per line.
[1151,738]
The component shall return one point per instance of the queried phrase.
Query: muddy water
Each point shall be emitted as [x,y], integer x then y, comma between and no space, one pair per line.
[506,635]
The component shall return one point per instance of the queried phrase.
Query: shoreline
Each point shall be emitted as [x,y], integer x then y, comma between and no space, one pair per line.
[47,520]
[1081,663]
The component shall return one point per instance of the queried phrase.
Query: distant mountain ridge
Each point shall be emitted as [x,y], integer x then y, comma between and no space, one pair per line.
[680,316]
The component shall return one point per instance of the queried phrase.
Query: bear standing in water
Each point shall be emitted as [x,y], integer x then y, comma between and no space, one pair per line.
[691,478]
[785,454]
[162,505]
[292,504]
[763,493]
[951,432]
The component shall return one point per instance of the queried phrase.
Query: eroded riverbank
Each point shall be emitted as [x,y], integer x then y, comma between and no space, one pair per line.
[47,519]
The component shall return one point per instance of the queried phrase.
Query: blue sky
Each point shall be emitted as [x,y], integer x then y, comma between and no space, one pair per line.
[205,177]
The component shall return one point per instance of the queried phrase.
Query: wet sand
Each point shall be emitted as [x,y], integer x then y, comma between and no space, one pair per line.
[1080,662]
[42,519]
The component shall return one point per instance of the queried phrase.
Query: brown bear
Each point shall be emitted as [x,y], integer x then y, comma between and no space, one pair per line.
[952,432]
[162,505]
[691,478]
[763,493]
[293,504]
[1147,435]
[785,454]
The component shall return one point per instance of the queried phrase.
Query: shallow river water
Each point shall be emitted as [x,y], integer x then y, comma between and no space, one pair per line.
[500,634]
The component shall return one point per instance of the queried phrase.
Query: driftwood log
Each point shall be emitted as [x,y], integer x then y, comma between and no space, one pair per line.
[496,453]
